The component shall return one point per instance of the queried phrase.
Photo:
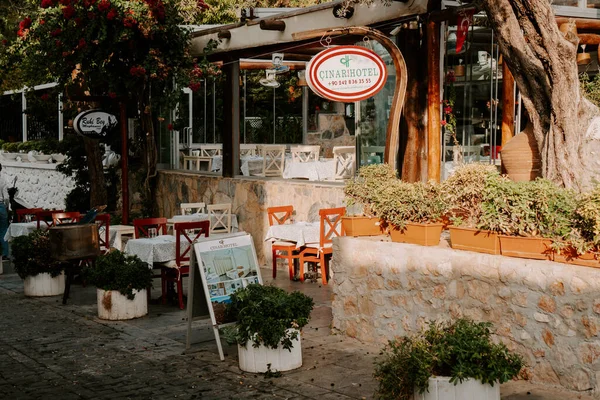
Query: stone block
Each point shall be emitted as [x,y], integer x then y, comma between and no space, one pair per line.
[547,304]
[548,337]
[539,317]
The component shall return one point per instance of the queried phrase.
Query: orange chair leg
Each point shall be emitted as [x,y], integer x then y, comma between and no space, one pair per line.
[323,269]
[291,265]
[274,264]
[301,269]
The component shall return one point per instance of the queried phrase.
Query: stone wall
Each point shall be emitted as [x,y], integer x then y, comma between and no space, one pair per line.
[39,184]
[548,312]
[250,198]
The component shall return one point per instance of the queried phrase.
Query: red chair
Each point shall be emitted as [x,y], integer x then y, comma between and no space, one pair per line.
[331,226]
[21,213]
[282,249]
[103,223]
[45,216]
[141,226]
[65,217]
[185,233]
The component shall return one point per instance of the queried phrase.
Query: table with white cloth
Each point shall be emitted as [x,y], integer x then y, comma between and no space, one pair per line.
[322,170]
[301,233]
[21,229]
[201,217]
[116,233]
[158,249]
[249,165]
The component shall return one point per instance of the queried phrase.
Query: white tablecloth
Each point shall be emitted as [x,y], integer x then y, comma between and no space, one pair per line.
[201,217]
[151,250]
[21,228]
[313,171]
[300,232]
[115,233]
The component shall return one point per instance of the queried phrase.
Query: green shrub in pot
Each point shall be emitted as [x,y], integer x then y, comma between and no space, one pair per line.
[460,350]
[11,147]
[119,271]
[32,255]
[267,315]
[362,191]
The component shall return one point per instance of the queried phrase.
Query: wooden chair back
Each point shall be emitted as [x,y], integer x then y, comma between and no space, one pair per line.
[65,217]
[103,223]
[45,217]
[219,216]
[279,215]
[210,150]
[273,159]
[247,150]
[189,232]
[305,153]
[23,212]
[345,161]
[191,208]
[141,226]
[331,224]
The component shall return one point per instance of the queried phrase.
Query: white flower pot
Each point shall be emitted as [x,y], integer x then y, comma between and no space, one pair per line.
[44,285]
[256,359]
[440,388]
[112,305]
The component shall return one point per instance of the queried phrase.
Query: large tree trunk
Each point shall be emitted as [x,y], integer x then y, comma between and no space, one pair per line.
[151,155]
[565,124]
[98,196]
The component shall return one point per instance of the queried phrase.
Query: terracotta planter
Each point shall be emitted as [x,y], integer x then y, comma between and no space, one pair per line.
[520,157]
[474,240]
[423,234]
[570,256]
[362,226]
[526,247]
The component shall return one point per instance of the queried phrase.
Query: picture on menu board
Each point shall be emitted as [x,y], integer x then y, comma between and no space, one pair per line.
[225,266]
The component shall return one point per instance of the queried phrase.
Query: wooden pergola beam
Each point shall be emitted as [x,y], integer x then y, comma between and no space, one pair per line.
[434,141]
[272,25]
[581,23]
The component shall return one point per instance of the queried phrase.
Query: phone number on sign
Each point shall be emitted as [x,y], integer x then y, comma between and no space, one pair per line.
[350,82]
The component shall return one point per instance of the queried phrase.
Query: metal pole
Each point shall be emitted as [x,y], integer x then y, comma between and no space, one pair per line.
[24,117]
[214,97]
[205,116]
[61,133]
[274,119]
[244,122]
[124,164]
[305,115]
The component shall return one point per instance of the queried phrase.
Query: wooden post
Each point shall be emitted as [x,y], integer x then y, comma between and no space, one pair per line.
[124,164]
[231,125]
[272,25]
[508,104]
[433,102]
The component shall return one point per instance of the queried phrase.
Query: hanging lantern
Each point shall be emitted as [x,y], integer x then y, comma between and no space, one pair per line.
[302,78]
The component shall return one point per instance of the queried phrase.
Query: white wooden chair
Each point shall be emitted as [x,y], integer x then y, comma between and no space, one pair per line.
[247,150]
[345,161]
[372,151]
[193,162]
[191,208]
[305,153]
[273,159]
[220,218]
[210,150]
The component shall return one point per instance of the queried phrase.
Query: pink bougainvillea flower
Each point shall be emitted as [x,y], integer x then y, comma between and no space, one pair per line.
[194,86]
[112,95]
[443,122]
[47,3]
[129,22]
[68,11]
[58,43]
[170,127]
[137,70]
[56,32]
[447,110]
[44,96]
[103,5]
[42,22]
[64,2]
[112,14]
[26,23]
[81,43]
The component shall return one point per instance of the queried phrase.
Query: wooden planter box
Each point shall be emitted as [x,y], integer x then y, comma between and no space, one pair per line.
[362,226]
[440,388]
[44,285]
[526,247]
[256,359]
[112,305]
[474,240]
[423,234]
[570,256]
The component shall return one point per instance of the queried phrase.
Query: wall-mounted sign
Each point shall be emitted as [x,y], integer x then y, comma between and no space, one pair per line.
[346,73]
[94,124]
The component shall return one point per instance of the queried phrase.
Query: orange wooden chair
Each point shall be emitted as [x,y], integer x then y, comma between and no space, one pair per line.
[45,216]
[65,217]
[142,225]
[185,233]
[282,249]
[331,226]
[103,223]
[21,213]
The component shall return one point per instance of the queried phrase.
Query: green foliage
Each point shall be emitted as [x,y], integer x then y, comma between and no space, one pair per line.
[266,314]
[587,216]
[363,189]
[463,193]
[118,271]
[460,350]
[591,87]
[32,255]
[11,147]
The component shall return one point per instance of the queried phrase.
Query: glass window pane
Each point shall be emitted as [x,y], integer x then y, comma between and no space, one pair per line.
[593,3]
[570,3]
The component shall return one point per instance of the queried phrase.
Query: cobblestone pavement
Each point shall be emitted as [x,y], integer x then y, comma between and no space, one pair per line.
[54,351]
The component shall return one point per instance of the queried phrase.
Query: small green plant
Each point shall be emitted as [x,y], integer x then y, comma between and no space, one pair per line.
[267,315]
[48,146]
[11,147]
[26,147]
[459,350]
[587,220]
[32,255]
[362,190]
[118,271]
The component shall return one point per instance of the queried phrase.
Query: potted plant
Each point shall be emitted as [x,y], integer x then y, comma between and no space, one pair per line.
[413,211]
[463,195]
[361,220]
[531,217]
[10,150]
[32,260]
[121,282]
[267,330]
[458,358]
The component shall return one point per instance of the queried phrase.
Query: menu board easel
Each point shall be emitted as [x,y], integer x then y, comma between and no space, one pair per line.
[226,264]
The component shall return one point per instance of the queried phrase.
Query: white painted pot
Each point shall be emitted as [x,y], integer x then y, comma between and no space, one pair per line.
[112,305]
[44,285]
[440,388]
[256,359]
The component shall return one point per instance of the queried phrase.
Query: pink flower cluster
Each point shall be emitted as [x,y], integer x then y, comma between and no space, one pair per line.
[137,70]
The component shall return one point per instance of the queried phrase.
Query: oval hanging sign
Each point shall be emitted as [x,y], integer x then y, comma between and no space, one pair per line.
[95,124]
[346,73]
